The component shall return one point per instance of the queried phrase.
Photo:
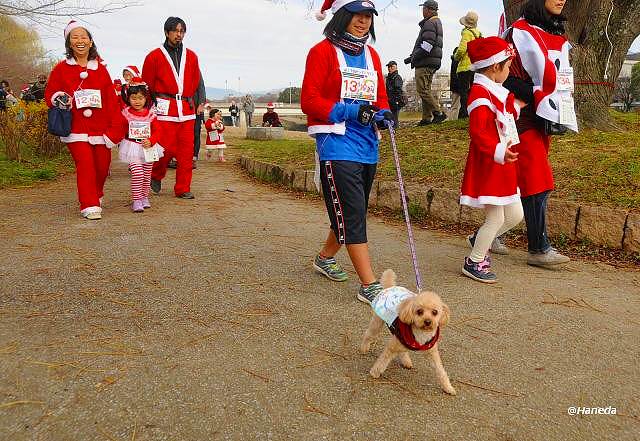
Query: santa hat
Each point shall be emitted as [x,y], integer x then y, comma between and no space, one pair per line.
[137,81]
[133,70]
[270,106]
[71,26]
[351,6]
[485,52]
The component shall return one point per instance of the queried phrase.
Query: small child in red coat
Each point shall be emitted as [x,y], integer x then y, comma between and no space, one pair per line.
[140,148]
[215,138]
[490,180]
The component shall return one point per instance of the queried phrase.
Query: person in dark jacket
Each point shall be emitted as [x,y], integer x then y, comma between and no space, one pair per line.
[394,91]
[36,90]
[199,98]
[426,58]
[454,87]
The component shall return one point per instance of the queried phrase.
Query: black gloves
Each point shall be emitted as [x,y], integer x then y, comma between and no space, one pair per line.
[366,112]
[382,117]
[407,60]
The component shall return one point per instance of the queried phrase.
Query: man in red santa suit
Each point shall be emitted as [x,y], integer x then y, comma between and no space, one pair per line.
[173,75]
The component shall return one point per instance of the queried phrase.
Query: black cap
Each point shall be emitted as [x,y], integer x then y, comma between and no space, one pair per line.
[392,63]
[430,4]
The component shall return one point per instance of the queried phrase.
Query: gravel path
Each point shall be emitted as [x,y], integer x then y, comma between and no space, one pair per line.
[202,320]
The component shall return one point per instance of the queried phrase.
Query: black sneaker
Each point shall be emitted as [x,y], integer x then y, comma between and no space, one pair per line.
[172,164]
[187,195]
[479,271]
[156,186]
[438,117]
[424,122]
[369,293]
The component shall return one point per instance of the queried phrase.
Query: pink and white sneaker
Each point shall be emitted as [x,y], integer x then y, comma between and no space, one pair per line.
[137,206]
[146,203]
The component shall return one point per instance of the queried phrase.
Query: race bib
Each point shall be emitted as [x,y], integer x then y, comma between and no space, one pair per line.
[359,84]
[162,106]
[565,80]
[509,131]
[151,154]
[87,98]
[139,130]
[213,136]
[568,111]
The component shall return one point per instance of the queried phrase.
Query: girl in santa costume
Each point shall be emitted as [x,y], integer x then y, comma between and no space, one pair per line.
[83,84]
[140,148]
[343,93]
[542,77]
[490,180]
[215,138]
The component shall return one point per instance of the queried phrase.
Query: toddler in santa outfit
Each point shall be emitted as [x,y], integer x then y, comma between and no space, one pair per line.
[81,83]
[140,148]
[490,180]
[215,138]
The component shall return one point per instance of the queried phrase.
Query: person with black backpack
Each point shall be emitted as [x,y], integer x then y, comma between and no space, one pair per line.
[397,98]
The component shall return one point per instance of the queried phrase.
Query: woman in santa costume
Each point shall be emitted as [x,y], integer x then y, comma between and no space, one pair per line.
[173,76]
[343,93]
[490,180]
[542,77]
[82,83]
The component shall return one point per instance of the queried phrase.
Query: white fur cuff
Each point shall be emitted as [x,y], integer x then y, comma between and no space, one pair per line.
[498,156]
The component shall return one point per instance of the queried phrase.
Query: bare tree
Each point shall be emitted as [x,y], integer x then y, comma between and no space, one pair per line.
[601,32]
[624,93]
[49,12]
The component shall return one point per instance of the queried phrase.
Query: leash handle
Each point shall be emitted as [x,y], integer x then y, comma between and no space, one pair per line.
[405,208]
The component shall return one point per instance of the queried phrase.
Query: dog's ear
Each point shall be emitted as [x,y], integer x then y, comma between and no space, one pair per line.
[446,314]
[405,310]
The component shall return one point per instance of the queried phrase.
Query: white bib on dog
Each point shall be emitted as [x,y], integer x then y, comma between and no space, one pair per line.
[385,305]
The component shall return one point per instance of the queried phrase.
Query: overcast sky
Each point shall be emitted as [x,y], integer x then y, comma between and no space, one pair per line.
[263,44]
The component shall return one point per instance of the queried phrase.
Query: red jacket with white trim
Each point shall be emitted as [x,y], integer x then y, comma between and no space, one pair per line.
[161,76]
[487,178]
[100,122]
[322,84]
[214,138]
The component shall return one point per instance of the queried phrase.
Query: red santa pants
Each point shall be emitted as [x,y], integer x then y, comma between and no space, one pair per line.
[177,140]
[92,168]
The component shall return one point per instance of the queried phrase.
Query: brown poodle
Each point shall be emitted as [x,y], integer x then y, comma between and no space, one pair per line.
[415,320]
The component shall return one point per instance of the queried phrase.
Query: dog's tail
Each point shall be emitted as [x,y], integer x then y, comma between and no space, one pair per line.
[388,279]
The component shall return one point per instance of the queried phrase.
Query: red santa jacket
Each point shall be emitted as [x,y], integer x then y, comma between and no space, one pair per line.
[161,76]
[322,85]
[487,178]
[214,135]
[95,125]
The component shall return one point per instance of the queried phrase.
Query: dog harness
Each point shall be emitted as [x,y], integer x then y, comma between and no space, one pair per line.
[385,305]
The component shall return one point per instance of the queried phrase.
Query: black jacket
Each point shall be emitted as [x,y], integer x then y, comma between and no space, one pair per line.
[454,85]
[431,32]
[394,89]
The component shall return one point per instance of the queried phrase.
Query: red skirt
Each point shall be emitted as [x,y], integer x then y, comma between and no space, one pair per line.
[534,170]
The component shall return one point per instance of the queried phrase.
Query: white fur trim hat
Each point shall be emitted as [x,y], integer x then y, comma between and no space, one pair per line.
[349,5]
[71,26]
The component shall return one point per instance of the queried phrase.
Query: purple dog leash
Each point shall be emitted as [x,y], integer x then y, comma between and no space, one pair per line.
[405,208]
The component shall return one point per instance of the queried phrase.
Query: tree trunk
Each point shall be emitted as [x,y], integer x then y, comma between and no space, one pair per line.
[596,64]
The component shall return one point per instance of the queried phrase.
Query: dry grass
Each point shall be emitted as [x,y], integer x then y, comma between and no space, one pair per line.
[595,167]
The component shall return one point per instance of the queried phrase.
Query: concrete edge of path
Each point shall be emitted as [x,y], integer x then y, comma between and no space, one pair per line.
[609,227]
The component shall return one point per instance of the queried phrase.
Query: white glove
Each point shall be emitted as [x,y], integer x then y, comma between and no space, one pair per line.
[426,46]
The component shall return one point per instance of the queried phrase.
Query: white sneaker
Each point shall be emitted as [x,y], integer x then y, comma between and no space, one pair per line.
[498,247]
[93,216]
[551,257]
